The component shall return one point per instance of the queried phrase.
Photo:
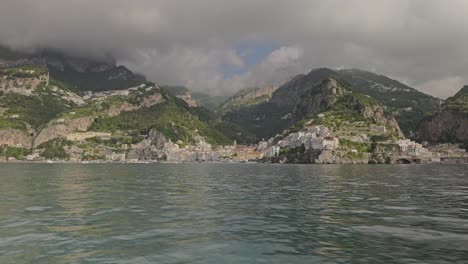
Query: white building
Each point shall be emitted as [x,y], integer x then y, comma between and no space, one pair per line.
[412,148]
[272,152]
[262,145]
[330,143]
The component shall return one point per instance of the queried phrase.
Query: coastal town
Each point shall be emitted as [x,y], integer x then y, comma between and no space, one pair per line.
[45,120]
[317,142]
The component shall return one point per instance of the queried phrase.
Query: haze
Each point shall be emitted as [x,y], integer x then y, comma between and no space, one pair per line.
[223,46]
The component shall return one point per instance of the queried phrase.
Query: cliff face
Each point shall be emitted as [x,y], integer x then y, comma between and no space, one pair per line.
[247,97]
[291,92]
[270,117]
[22,81]
[151,148]
[48,119]
[407,104]
[448,125]
[338,104]
[15,137]
[61,129]
[319,97]
[376,112]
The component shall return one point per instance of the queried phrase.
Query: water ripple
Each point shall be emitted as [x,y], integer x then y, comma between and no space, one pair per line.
[233,213]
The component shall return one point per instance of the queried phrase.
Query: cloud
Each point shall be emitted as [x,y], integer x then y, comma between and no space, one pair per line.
[443,88]
[186,42]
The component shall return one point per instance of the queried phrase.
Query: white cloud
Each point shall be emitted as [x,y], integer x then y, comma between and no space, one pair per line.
[184,42]
[443,88]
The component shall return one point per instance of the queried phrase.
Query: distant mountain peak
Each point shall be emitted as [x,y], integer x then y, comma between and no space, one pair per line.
[80,73]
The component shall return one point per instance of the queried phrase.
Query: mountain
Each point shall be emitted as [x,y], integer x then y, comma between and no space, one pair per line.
[332,104]
[80,74]
[333,124]
[44,117]
[28,101]
[450,125]
[407,104]
[210,102]
[183,93]
[247,97]
[265,118]
[270,117]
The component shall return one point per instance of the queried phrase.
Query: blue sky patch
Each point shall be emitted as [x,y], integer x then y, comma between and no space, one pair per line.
[252,52]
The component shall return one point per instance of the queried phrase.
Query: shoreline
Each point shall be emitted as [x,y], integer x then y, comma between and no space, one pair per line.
[213,162]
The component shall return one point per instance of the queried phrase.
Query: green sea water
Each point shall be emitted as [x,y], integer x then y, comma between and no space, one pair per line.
[233,213]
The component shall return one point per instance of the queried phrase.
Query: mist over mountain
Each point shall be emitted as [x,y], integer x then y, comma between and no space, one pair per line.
[222,47]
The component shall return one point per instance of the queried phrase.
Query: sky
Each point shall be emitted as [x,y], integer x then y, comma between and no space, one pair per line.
[221,46]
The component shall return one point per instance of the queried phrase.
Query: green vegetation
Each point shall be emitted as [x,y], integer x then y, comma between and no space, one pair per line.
[117,141]
[236,104]
[93,156]
[54,149]
[113,79]
[62,85]
[15,152]
[176,90]
[234,132]
[262,120]
[172,118]
[459,101]
[210,102]
[243,98]
[34,110]
[411,104]
[6,123]
[345,111]
[24,71]
[359,146]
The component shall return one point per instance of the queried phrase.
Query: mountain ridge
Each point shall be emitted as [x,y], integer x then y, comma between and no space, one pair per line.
[407,104]
[450,124]
[80,73]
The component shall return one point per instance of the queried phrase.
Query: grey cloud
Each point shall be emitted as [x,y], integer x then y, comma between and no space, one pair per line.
[184,42]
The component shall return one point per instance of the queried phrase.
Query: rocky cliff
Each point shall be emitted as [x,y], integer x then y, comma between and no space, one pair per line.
[49,119]
[319,97]
[62,128]
[407,104]
[448,125]
[247,97]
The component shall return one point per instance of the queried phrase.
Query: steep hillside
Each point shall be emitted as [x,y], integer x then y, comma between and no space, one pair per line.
[80,74]
[291,92]
[450,125]
[273,116]
[210,102]
[247,97]
[183,93]
[42,117]
[407,104]
[336,125]
[265,118]
[29,99]
[345,112]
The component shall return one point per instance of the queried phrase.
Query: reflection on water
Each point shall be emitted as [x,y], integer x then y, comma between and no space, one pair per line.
[232,213]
